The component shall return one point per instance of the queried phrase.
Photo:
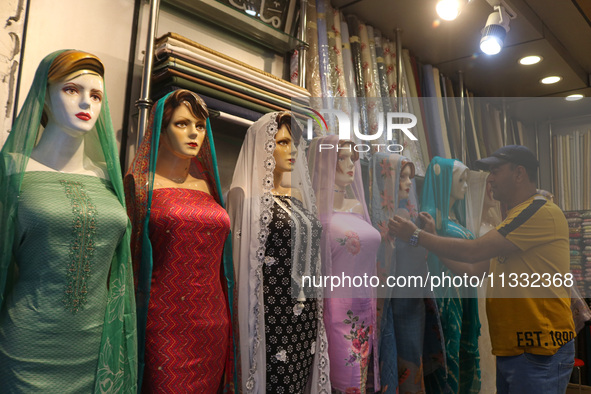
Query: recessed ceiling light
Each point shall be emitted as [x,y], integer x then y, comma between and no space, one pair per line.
[550,80]
[574,97]
[529,60]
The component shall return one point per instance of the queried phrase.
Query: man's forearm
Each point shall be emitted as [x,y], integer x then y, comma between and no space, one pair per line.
[452,248]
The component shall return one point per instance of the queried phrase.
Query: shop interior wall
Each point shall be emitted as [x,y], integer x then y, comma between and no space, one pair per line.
[171,19]
[12,12]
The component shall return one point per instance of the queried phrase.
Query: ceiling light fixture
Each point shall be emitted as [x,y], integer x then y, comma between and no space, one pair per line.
[448,9]
[550,80]
[574,97]
[496,28]
[529,60]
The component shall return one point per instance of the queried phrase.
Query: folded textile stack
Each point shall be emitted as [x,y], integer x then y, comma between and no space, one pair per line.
[225,84]
[586,248]
[576,260]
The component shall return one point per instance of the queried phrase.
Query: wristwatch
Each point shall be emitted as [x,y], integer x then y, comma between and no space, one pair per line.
[414,238]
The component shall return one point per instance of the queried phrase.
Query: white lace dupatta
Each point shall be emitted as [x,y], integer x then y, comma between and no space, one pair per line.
[249,204]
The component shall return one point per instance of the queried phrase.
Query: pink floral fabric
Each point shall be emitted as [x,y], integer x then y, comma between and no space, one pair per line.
[350,322]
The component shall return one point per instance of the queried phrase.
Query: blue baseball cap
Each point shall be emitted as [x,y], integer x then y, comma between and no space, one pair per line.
[516,154]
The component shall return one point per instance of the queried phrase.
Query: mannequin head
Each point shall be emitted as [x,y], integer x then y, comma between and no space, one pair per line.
[459,184]
[75,92]
[346,158]
[286,141]
[405,182]
[184,124]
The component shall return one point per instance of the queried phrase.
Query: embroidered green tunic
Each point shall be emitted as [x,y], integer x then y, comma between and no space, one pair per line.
[68,227]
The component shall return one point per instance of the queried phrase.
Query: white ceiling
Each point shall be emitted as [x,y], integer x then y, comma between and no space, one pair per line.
[557,30]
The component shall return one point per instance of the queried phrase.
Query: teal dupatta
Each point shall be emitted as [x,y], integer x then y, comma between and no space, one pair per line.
[458,306]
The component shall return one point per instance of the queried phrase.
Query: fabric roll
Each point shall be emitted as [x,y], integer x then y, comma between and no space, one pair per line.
[440,111]
[389,73]
[477,107]
[419,154]
[435,135]
[374,106]
[313,62]
[333,20]
[212,92]
[471,127]
[355,41]
[347,58]
[231,109]
[453,122]
[221,80]
[323,59]
[294,67]
[222,89]
[381,68]
[337,76]
[218,61]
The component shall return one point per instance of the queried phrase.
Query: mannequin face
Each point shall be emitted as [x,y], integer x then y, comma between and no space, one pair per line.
[74,103]
[459,184]
[184,134]
[285,152]
[405,183]
[345,167]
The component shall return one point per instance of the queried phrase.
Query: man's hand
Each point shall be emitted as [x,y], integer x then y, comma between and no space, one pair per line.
[428,222]
[401,228]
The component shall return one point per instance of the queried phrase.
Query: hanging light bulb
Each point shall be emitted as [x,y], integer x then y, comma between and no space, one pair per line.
[495,31]
[448,9]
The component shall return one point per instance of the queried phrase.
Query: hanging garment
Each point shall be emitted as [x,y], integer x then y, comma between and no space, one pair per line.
[267,254]
[410,336]
[67,321]
[458,306]
[184,280]
[349,245]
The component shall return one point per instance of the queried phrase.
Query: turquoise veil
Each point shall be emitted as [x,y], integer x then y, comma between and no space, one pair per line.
[458,306]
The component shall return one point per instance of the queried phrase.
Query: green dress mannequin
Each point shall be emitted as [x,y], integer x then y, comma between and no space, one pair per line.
[67,311]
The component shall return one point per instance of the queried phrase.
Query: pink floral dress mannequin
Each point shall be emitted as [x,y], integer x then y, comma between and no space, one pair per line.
[349,247]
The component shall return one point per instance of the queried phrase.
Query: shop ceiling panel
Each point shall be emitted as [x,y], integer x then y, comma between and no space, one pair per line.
[549,28]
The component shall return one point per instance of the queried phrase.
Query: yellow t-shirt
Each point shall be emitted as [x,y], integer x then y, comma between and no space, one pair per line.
[528,301]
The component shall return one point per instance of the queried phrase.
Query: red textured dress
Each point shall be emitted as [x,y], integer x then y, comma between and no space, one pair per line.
[188,330]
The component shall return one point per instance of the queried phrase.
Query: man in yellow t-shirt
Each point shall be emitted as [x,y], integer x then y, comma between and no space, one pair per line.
[528,300]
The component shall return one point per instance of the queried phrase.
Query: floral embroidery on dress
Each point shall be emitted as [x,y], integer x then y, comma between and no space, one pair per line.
[359,352]
[386,168]
[351,242]
[387,201]
[82,247]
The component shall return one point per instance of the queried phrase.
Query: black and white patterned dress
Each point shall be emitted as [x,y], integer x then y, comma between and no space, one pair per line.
[290,326]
